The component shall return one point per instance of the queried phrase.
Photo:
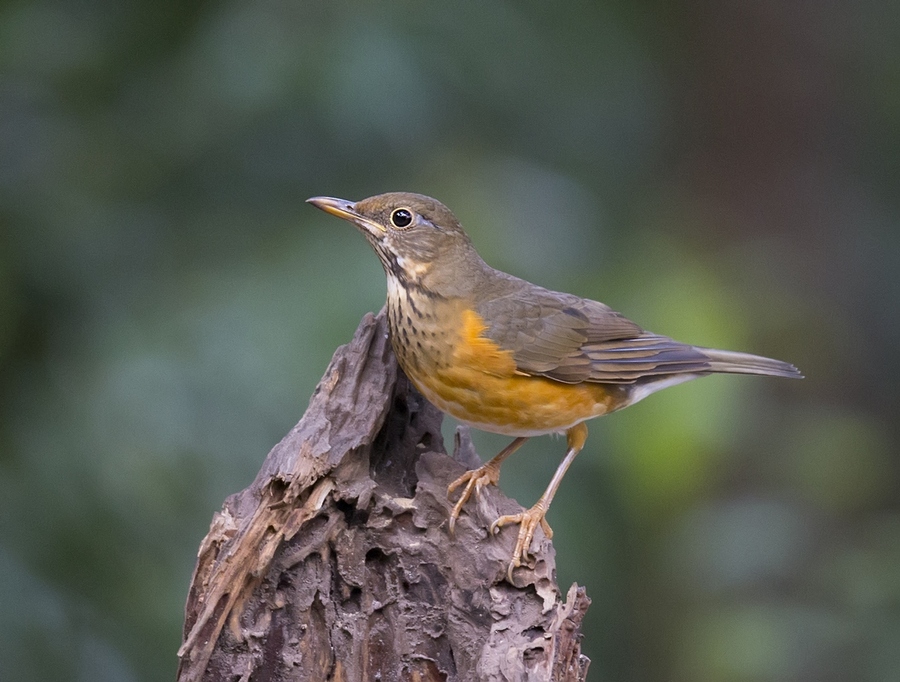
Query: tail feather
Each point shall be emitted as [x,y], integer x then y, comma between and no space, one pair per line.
[734,362]
[646,358]
[724,361]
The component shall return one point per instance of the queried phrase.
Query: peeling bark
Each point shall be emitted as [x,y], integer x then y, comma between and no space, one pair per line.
[336,563]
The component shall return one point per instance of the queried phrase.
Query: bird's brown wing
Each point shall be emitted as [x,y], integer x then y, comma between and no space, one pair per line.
[571,339]
[625,361]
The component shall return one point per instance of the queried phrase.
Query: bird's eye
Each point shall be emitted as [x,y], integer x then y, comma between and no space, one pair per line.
[401,217]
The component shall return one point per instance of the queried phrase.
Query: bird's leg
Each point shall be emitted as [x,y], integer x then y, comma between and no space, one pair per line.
[530,519]
[476,479]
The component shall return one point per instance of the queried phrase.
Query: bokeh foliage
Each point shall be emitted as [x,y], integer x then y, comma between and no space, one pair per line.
[725,173]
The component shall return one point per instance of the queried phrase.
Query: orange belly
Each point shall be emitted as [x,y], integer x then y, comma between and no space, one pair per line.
[471,378]
[516,405]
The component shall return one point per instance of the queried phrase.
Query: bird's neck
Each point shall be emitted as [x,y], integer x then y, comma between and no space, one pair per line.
[417,318]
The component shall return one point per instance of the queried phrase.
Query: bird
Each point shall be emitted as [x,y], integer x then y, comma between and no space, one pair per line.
[510,357]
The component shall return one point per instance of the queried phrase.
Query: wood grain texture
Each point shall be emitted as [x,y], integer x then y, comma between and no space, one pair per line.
[336,562]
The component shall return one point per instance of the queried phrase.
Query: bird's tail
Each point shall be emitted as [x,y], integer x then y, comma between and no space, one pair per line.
[734,362]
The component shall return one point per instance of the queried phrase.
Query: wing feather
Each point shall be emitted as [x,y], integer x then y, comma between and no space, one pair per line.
[571,340]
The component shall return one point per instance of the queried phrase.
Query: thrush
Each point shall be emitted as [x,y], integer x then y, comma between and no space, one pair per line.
[510,357]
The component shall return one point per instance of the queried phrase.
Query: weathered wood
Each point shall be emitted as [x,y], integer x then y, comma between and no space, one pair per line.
[336,563]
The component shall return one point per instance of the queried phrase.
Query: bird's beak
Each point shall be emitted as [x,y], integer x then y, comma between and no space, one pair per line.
[347,210]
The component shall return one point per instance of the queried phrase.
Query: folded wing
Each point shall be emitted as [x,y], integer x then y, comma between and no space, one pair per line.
[571,340]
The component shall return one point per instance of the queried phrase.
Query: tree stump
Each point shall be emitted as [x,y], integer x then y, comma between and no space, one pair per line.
[336,563]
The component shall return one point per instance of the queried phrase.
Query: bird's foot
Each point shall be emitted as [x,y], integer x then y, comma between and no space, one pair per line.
[474,480]
[528,521]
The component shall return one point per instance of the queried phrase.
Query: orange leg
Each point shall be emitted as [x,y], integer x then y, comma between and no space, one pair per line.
[476,479]
[530,519]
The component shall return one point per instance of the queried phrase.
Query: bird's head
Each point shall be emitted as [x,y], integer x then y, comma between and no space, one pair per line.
[416,237]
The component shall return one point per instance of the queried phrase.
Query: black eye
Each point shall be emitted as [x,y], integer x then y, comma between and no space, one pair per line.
[401,217]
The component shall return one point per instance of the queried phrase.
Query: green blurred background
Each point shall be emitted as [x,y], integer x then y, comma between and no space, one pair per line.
[722,172]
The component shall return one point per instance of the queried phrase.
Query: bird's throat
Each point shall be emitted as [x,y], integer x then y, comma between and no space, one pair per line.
[417,317]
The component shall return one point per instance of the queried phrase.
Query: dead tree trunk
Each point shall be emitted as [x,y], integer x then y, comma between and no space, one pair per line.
[336,563]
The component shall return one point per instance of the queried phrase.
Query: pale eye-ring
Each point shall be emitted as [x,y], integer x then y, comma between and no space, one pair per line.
[401,217]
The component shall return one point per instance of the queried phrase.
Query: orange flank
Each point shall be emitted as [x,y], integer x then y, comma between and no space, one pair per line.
[474,350]
[482,387]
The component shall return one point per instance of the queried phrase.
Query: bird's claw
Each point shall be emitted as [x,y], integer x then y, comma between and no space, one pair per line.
[474,480]
[528,521]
